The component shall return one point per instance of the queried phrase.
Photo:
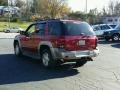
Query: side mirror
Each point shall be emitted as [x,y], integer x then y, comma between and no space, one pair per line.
[22,32]
[37,31]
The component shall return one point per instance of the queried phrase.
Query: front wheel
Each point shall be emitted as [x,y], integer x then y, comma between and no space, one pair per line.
[7,31]
[17,50]
[107,39]
[47,59]
[115,37]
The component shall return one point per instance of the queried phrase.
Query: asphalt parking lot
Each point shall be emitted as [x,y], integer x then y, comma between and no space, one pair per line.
[28,74]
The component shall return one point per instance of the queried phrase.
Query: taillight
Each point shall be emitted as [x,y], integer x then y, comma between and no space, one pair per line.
[92,42]
[61,43]
[96,42]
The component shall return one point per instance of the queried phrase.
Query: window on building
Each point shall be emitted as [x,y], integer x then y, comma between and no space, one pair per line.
[110,20]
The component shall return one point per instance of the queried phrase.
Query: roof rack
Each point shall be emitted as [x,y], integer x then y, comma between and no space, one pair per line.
[46,19]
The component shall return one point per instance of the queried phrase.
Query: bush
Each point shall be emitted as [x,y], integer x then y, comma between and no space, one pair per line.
[19,21]
[3,19]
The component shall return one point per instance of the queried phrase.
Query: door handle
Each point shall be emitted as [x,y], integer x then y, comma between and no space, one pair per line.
[28,38]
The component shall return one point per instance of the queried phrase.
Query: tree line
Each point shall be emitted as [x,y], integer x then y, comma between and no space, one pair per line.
[32,9]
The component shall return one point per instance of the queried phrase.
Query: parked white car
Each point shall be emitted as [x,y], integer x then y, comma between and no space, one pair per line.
[99,29]
[13,30]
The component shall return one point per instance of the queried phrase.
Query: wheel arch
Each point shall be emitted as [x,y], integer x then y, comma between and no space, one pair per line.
[17,41]
[116,33]
[43,47]
[46,45]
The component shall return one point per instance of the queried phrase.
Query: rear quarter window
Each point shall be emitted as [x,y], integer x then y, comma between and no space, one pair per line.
[77,28]
[104,27]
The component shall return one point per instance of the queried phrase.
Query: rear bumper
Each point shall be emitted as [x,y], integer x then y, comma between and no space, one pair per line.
[108,36]
[100,36]
[66,55]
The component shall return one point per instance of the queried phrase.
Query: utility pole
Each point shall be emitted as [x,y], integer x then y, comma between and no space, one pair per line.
[86,7]
[8,13]
[86,10]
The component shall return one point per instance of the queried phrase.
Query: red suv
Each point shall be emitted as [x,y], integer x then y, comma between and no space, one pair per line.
[55,41]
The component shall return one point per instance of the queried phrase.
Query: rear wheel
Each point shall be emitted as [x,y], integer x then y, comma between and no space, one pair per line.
[47,59]
[7,31]
[81,62]
[17,49]
[107,39]
[115,37]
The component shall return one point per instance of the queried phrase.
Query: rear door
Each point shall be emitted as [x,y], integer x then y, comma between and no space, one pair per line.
[104,28]
[39,35]
[79,36]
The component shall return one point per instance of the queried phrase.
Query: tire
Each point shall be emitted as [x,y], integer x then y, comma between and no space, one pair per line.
[81,62]
[7,31]
[107,39]
[18,31]
[47,59]
[17,50]
[115,37]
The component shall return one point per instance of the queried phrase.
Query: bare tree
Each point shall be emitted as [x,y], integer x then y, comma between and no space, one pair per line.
[19,3]
[117,8]
[114,8]
[111,8]
[51,8]
[104,11]
[3,2]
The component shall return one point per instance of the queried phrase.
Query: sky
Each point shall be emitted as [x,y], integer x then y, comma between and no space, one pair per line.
[79,5]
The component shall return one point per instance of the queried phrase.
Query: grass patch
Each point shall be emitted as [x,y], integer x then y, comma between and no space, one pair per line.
[23,25]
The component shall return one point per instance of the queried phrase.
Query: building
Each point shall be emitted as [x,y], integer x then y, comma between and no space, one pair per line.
[12,10]
[111,20]
[1,10]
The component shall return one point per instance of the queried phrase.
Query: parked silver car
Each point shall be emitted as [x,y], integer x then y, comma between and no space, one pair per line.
[13,30]
[99,29]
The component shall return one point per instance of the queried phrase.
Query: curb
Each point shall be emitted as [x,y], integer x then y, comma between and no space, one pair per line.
[8,35]
[6,38]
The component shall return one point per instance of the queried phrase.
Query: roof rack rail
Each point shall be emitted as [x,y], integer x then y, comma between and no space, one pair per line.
[37,20]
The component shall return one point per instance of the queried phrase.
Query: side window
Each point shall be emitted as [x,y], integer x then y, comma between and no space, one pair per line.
[40,27]
[31,30]
[54,28]
[97,28]
[105,27]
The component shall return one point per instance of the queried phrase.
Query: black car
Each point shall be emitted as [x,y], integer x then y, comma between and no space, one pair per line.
[112,34]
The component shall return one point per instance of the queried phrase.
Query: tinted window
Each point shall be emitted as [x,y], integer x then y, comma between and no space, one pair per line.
[110,20]
[104,27]
[96,28]
[54,28]
[77,28]
[40,27]
[30,30]
[113,26]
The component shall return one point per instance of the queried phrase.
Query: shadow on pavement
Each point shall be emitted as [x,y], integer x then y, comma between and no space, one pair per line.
[18,70]
[108,42]
[116,45]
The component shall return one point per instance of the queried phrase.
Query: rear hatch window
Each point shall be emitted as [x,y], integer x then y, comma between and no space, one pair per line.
[77,28]
[78,36]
